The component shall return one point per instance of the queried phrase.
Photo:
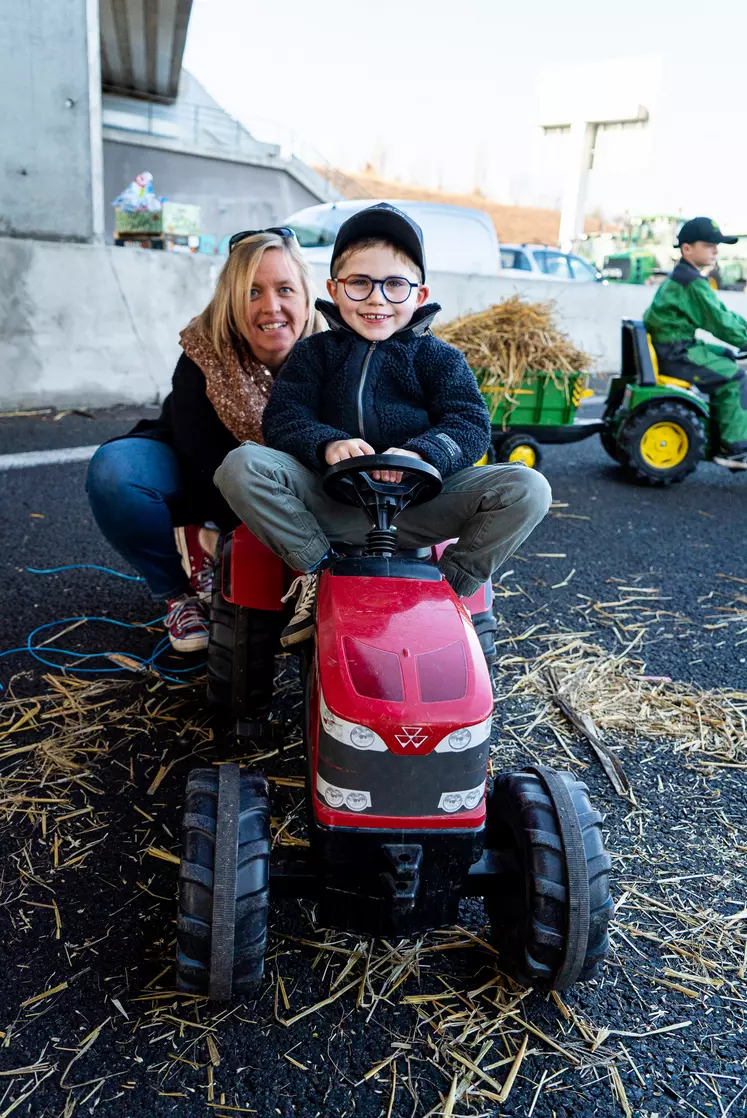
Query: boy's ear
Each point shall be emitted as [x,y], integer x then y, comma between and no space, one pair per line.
[423,293]
[332,289]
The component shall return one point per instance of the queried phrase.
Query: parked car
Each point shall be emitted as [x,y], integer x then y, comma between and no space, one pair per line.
[457,239]
[546,263]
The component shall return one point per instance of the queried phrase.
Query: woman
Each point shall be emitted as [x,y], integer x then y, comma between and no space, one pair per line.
[159,477]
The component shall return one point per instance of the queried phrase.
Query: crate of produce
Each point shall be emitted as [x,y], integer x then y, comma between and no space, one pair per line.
[176,218]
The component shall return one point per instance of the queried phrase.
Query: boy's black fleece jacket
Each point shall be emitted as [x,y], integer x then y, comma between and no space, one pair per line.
[411,391]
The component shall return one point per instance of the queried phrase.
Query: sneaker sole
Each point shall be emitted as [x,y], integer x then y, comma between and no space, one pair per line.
[297,637]
[180,539]
[189,644]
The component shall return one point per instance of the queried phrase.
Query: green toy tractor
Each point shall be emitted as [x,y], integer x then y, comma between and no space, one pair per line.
[656,427]
[632,266]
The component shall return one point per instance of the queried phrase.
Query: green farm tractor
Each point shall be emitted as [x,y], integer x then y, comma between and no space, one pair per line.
[635,265]
[655,427]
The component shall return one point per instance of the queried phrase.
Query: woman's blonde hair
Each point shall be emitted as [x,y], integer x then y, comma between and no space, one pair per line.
[224,318]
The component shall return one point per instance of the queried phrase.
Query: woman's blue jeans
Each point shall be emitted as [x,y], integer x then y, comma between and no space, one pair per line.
[131,485]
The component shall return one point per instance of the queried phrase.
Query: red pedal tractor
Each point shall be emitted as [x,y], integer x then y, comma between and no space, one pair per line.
[403,820]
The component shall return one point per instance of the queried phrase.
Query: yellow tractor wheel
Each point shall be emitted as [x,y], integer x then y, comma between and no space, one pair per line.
[663,442]
[519,448]
[523,453]
[664,446]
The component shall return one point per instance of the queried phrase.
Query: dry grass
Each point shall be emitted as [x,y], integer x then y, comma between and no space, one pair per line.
[619,699]
[511,344]
[477,1039]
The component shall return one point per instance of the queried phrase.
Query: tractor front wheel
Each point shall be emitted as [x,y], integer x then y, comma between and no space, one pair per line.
[663,443]
[224,874]
[549,919]
[519,448]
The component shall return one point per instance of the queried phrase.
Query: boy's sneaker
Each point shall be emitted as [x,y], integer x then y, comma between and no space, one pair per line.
[186,623]
[301,625]
[198,563]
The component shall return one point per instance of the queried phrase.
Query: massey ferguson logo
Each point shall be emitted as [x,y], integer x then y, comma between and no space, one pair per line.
[414,736]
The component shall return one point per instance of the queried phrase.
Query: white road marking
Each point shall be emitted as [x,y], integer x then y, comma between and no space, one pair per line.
[46,457]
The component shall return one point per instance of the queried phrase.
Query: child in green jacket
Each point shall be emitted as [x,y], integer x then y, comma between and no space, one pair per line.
[686,302]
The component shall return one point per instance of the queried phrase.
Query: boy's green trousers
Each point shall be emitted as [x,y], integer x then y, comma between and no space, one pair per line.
[711,370]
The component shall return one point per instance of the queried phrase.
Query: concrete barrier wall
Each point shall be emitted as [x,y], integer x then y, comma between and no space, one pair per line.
[91,326]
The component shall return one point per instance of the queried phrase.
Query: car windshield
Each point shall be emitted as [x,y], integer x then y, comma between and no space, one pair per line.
[317,230]
[581,269]
[553,264]
[514,258]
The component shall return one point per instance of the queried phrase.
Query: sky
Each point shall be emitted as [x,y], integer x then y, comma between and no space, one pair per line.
[451,93]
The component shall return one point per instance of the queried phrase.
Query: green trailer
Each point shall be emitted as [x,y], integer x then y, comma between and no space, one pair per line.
[542,410]
[655,427]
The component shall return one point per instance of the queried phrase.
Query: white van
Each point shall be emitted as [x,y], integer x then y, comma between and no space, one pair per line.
[457,239]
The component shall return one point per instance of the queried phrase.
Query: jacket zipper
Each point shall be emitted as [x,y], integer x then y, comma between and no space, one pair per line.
[361,386]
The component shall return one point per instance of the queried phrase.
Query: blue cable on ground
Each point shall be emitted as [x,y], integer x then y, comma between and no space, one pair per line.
[83,566]
[146,662]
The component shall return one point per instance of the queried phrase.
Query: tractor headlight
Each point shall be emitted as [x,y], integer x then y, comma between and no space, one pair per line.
[349,733]
[460,739]
[458,801]
[472,798]
[465,737]
[354,799]
[361,737]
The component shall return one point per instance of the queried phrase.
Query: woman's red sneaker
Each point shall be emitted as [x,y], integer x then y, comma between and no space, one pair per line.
[198,563]
[186,623]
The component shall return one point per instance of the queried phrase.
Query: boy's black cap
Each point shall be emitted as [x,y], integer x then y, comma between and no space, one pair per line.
[388,223]
[703,229]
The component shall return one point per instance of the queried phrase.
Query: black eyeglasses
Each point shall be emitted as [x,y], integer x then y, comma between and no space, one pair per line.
[395,289]
[283,231]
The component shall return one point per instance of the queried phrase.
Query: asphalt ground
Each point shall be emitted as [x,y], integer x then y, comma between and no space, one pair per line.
[654,575]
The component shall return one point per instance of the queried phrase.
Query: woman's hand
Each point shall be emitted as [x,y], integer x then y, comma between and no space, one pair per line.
[341,449]
[394,476]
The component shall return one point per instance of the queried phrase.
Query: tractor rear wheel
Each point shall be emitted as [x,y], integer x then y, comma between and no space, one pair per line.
[221,926]
[611,444]
[241,653]
[518,448]
[220,643]
[663,442]
[549,919]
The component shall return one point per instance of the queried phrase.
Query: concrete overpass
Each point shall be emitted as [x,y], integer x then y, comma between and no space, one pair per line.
[72,73]
[142,44]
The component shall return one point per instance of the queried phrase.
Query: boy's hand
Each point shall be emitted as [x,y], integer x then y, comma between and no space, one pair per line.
[341,449]
[394,476]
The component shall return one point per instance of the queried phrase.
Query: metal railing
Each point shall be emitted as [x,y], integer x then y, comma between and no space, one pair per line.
[209,129]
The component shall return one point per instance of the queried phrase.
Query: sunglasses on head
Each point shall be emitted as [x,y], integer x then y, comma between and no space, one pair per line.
[283,231]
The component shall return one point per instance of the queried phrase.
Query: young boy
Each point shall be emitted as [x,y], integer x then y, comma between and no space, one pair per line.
[378,382]
[686,302]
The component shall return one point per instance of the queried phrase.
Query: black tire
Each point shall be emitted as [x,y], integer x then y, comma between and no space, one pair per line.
[674,414]
[530,918]
[195,913]
[220,644]
[609,440]
[506,445]
[486,628]
[241,654]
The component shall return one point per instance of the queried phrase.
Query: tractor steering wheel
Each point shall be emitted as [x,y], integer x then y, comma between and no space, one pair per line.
[350,481]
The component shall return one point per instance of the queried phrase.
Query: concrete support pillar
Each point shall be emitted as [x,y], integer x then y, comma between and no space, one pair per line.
[580,157]
[51,159]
